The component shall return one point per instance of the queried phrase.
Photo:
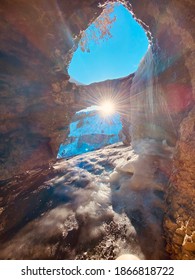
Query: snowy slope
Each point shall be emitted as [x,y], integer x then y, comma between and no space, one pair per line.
[94,206]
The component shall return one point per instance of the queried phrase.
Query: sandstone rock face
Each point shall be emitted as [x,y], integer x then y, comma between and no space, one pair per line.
[180,220]
[164,77]
[37,39]
[36,97]
[162,102]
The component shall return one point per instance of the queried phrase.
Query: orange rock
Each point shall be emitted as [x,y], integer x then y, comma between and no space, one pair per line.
[189,246]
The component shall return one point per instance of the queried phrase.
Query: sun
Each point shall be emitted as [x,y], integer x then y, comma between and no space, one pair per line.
[107,108]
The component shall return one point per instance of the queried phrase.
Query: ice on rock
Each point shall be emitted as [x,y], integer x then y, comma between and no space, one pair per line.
[148,156]
[127,166]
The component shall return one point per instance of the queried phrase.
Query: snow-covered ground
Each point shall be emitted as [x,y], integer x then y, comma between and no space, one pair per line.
[97,205]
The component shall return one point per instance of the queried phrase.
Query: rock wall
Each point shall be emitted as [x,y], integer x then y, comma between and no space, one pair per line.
[180,219]
[162,107]
[37,101]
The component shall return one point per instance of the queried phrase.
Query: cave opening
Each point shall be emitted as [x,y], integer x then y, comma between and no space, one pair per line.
[104,50]
[110,48]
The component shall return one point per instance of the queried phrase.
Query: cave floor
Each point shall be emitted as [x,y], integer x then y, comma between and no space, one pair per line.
[72,210]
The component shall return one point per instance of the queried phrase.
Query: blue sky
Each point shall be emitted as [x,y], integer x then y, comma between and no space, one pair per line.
[113,58]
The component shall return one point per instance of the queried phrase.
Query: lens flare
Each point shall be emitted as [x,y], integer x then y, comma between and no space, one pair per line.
[107,108]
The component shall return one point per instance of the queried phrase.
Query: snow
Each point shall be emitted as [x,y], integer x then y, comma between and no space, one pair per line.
[88,109]
[108,200]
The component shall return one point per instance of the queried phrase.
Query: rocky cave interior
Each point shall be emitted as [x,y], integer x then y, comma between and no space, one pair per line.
[136,198]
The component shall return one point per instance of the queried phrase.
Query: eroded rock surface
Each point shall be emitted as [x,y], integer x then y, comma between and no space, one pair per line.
[165,110]
[180,219]
[36,97]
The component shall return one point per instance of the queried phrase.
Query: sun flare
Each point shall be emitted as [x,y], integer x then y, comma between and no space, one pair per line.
[107,108]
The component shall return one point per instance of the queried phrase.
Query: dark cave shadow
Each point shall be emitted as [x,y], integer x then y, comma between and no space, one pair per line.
[32,202]
[34,197]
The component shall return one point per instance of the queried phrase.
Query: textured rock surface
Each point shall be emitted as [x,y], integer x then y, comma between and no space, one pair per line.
[180,218]
[37,100]
[165,77]
[36,97]
[165,110]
